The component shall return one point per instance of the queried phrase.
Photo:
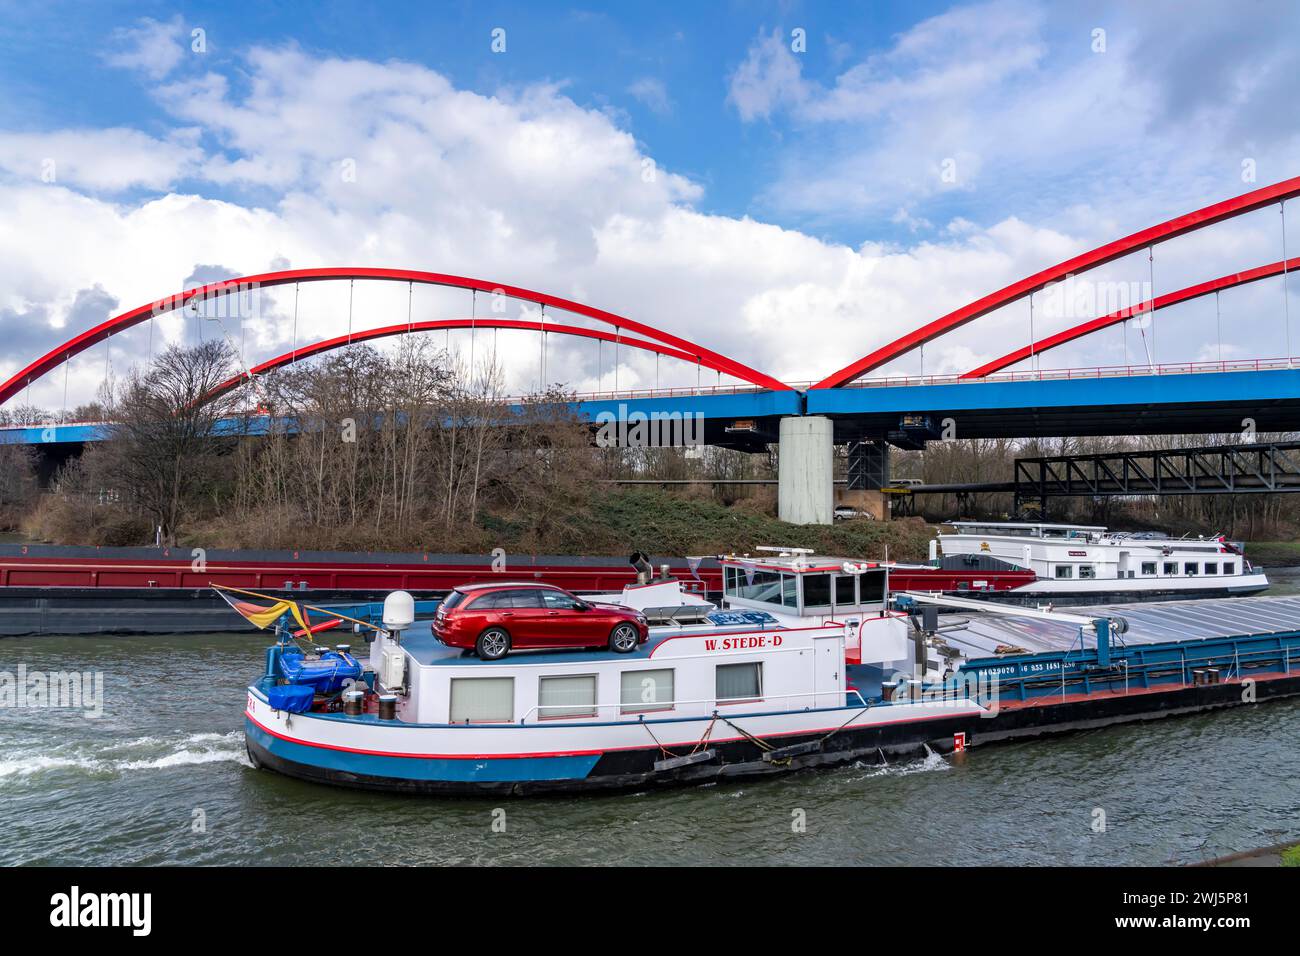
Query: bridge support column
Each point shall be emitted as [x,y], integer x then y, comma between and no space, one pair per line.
[805,489]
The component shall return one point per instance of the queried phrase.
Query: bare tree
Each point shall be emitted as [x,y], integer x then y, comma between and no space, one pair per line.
[164,440]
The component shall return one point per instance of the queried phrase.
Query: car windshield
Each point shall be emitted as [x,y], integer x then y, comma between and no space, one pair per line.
[452,599]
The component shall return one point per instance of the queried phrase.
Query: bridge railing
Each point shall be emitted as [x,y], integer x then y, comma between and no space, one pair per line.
[689,391]
[1102,371]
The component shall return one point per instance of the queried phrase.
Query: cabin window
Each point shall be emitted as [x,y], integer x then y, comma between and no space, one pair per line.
[1189,567]
[482,700]
[1148,568]
[765,586]
[816,590]
[789,590]
[846,590]
[1171,568]
[871,587]
[644,691]
[1065,570]
[737,682]
[567,696]
[1211,567]
[1229,567]
[1087,571]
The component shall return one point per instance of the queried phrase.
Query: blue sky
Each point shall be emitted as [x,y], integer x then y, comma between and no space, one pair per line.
[824,176]
[662,69]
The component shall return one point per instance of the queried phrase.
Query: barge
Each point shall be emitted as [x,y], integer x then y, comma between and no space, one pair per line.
[1091,564]
[808,661]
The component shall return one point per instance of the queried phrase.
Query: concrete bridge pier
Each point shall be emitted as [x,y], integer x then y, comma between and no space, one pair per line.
[805,470]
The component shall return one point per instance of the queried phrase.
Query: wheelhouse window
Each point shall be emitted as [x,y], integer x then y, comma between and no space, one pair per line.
[644,691]
[566,696]
[1171,568]
[1148,568]
[1065,570]
[846,590]
[1189,567]
[871,587]
[1229,567]
[764,586]
[1211,567]
[816,590]
[1087,571]
[737,682]
[482,700]
[789,590]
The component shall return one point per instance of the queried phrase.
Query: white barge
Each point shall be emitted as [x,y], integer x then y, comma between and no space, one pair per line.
[1090,564]
[810,662]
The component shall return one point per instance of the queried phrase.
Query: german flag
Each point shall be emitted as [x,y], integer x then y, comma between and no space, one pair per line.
[263,616]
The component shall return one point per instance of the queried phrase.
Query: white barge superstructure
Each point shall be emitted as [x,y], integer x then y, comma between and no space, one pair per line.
[1089,563]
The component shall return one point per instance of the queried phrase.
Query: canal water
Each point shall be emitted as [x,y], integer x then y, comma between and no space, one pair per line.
[161,777]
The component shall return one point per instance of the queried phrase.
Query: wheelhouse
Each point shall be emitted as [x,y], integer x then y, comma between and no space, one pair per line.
[796,582]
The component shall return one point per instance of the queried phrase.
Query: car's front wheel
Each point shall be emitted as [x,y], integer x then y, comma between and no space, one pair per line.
[623,639]
[493,644]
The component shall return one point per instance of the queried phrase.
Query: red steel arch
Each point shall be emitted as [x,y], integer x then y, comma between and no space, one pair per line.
[341,341]
[126,320]
[1159,302]
[1181,225]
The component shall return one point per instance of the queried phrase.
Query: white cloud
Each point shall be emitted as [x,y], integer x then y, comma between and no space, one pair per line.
[152,47]
[99,159]
[653,94]
[1008,98]
[770,78]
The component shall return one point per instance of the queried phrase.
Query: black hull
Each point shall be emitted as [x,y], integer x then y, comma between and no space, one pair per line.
[743,760]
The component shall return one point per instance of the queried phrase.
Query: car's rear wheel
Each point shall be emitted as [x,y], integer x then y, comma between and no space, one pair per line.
[623,639]
[493,644]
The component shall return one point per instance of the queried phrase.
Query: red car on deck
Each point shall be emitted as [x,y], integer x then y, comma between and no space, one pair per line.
[493,619]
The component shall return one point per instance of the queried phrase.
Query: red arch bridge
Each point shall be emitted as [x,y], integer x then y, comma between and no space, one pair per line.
[861,404]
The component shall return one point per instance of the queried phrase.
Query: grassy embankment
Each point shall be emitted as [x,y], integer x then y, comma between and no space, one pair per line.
[1274,554]
[606,522]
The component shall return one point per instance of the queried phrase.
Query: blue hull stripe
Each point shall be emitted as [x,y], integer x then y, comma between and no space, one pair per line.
[468,770]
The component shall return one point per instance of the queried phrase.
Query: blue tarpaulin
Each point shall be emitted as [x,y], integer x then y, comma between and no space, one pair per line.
[295,698]
[325,675]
